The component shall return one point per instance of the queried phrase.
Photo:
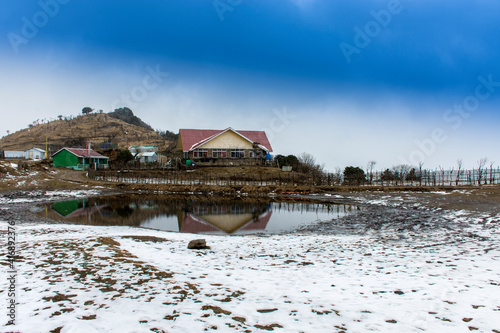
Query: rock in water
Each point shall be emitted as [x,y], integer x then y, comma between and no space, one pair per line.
[198,244]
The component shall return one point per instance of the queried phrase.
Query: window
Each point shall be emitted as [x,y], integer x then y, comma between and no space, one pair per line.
[200,210]
[219,153]
[237,153]
[200,153]
[220,210]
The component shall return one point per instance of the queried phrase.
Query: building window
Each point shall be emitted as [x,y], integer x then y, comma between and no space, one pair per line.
[200,210]
[200,153]
[220,210]
[219,153]
[237,153]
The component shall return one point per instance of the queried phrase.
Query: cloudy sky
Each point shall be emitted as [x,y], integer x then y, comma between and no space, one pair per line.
[347,81]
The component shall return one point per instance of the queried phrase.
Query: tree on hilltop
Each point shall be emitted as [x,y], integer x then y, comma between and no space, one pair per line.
[87,110]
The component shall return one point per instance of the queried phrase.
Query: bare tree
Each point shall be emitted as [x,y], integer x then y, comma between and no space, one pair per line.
[307,159]
[442,174]
[369,170]
[491,172]
[460,171]
[420,174]
[337,175]
[401,171]
[308,165]
[480,169]
[451,175]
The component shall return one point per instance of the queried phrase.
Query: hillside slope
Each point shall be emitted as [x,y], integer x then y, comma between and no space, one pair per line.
[98,128]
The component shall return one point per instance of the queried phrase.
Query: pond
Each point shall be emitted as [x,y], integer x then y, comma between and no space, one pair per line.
[194,214]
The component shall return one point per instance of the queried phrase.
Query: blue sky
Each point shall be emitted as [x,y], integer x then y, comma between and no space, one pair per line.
[348,81]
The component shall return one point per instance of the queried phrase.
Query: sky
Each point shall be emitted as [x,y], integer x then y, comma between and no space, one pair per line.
[395,82]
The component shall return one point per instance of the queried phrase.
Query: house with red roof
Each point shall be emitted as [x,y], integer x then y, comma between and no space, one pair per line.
[224,147]
[79,159]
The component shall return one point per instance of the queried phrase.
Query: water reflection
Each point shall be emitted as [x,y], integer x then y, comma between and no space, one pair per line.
[195,216]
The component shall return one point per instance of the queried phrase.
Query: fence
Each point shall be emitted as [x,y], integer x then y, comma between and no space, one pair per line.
[379,178]
[187,178]
[437,177]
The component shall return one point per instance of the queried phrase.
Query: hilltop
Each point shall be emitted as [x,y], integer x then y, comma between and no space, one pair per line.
[99,128]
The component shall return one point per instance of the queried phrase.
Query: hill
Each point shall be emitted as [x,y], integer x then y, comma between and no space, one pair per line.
[128,116]
[99,128]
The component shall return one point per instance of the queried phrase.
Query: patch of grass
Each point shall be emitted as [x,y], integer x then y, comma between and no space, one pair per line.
[108,241]
[57,313]
[321,312]
[269,327]
[147,239]
[157,330]
[171,317]
[58,298]
[215,309]
[239,319]
[108,281]
[90,317]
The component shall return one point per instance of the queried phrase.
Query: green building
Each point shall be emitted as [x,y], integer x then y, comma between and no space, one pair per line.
[79,159]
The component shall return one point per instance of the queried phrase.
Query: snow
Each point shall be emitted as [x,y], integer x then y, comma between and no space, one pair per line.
[440,281]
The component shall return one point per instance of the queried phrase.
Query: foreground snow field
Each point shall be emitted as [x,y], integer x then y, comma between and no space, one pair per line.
[74,278]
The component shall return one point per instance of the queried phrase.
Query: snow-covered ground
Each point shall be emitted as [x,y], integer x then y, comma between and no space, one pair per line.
[74,278]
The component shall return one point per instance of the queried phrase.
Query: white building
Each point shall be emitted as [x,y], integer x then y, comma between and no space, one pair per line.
[144,154]
[35,154]
[14,154]
[147,157]
[32,154]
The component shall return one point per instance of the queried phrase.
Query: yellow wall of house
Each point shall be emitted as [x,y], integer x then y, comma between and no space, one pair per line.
[179,144]
[228,223]
[228,140]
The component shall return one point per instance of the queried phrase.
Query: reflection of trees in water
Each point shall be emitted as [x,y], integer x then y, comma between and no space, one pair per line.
[124,211]
[339,208]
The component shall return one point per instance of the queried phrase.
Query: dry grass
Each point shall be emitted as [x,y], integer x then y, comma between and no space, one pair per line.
[100,127]
[147,239]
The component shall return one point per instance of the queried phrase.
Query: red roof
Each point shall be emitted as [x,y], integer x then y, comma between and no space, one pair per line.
[193,138]
[82,152]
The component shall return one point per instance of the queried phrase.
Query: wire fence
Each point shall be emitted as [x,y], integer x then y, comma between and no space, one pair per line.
[379,178]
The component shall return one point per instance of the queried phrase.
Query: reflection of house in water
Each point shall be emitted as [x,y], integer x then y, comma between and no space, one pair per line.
[228,218]
[75,208]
